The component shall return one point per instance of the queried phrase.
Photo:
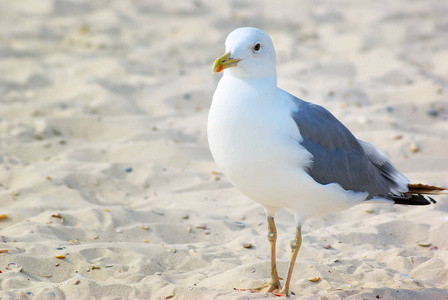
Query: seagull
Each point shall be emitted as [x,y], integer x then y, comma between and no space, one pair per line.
[284,152]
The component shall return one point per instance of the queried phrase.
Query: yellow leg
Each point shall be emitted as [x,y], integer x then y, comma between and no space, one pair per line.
[273,286]
[274,283]
[295,246]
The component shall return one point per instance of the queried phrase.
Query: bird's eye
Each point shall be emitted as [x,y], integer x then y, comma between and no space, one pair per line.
[257,46]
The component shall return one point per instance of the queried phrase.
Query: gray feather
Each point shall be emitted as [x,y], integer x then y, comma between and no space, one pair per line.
[338,157]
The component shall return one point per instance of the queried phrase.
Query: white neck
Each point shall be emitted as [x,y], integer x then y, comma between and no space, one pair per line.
[256,89]
[267,81]
[257,72]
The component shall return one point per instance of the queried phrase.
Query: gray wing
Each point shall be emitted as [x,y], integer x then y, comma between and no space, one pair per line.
[338,157]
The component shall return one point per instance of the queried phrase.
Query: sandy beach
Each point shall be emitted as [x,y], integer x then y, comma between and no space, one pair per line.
[108,189]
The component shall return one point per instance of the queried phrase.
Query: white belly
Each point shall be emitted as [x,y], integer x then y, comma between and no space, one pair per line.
[255,142]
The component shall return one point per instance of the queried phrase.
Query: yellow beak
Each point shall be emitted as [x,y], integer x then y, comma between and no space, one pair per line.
[224,62]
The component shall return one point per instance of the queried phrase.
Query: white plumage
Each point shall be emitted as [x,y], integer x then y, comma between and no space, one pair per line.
[284,152]
[255,142]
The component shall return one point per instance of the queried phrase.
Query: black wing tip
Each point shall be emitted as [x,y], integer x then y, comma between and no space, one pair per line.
[413,199]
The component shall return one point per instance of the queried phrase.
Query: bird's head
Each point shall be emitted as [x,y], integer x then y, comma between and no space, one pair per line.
[249,54]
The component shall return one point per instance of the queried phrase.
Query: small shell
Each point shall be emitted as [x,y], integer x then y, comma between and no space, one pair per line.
[423,243]
[326,246]
[4,250]
[239,224]
[145,241]
[144,227]
[207,231]
[315,279]
[119,230]
[4,216]
[60,256]
[12,266]
[343,286]
[200,226]
[248,246]
[369,211]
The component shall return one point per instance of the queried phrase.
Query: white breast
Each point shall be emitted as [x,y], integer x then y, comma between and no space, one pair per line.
[255,142]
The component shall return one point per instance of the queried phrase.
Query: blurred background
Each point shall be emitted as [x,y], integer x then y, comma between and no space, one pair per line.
[103,112]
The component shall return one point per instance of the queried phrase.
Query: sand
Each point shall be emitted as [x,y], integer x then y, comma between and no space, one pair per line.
[105,163]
